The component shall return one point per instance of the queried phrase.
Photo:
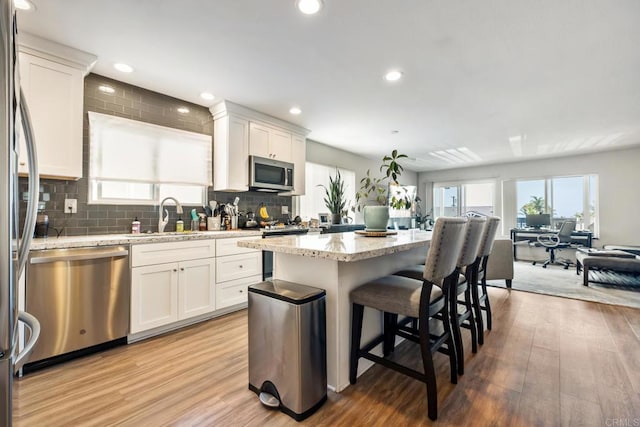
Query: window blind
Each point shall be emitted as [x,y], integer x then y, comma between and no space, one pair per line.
[128,150]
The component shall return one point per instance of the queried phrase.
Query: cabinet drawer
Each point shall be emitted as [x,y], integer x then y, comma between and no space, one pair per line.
[234,292]
[230,247]
[160,253]
[238,266]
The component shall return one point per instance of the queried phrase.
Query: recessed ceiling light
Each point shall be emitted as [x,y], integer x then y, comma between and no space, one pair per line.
[106,89]
[24,5]
[183,110]
[393,76]
[309,7]
[123,67]
[206,95]
[295,110]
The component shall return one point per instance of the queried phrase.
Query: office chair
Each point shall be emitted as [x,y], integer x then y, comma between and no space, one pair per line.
[559,240]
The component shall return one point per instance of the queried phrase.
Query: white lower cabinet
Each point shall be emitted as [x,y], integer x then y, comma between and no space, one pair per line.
[174,282]
[236,269]
[164,292]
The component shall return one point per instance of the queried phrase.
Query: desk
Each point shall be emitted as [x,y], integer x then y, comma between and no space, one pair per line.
[521,234]
[338,263]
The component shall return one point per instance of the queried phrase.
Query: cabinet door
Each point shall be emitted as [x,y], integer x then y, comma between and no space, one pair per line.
[299,158]
[54,94]
[231,154]
[259,140]
[154,296]
[196,288]
[280,145]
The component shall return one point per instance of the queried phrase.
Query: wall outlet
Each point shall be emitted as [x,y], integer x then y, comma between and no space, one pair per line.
[71,206]
[285,210]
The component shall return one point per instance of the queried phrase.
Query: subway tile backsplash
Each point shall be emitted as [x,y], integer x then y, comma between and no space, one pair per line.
[137,104]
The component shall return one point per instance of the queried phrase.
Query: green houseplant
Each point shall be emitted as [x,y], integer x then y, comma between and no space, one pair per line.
[373,196]
[334,198]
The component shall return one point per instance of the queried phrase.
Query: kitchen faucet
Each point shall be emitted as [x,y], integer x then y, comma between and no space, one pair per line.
[162,222]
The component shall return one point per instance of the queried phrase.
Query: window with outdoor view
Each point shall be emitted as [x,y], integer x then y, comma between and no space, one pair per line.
[568,197]
[467,198]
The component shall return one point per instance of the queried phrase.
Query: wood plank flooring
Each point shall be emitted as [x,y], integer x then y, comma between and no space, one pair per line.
[548,362]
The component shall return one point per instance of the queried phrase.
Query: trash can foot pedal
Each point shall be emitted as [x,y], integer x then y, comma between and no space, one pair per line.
[269,400]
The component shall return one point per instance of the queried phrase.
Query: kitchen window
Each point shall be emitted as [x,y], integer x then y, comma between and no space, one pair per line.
[132,162]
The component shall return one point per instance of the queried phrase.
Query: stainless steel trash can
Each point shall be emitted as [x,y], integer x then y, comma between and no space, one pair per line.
[287,346]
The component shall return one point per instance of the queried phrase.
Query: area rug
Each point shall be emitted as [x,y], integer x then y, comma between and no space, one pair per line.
[556,281]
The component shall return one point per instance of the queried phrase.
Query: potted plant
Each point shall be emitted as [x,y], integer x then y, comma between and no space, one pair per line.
[334,198]
[373,197]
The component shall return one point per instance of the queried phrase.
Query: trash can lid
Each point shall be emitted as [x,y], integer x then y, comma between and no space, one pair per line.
[293,293]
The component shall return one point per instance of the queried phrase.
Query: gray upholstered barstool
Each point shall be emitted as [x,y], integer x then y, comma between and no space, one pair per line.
[397,295]
[479,288]
[461,311]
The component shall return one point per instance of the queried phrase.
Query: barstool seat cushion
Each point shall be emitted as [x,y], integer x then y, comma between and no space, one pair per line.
[393,294]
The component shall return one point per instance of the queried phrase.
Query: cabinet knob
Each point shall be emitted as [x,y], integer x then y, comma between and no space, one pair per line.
[240,265]
[241,291]
[22,163]
[175,269]
[181,268]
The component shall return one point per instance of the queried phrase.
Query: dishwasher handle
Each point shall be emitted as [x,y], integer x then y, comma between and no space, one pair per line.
[79,257]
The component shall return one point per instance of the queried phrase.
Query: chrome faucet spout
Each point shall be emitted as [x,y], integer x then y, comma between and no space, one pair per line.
[164,220]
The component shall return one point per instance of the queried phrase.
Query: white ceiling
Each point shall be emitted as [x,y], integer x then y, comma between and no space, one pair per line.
[566,74]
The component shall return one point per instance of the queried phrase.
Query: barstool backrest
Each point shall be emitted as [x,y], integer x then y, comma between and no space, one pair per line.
[472,239]
[489,235]
[444,250]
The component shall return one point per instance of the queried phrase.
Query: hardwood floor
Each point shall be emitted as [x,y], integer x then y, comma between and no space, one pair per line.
[548,362]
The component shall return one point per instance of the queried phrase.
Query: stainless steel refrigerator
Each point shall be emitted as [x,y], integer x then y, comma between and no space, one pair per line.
[13,249]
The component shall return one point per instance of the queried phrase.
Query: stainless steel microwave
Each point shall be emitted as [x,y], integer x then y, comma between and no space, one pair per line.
[270,174]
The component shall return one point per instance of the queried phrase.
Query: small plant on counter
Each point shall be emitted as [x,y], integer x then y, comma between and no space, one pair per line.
[334,198]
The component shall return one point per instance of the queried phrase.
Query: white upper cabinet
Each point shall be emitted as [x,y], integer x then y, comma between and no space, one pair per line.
[265,141]
[240,132]
[52,79]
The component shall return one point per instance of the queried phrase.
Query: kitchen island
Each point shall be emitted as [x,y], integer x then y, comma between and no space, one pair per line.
[338,263]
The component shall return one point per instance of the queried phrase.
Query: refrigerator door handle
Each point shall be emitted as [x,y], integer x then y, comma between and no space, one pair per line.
[34,326]
[34,185]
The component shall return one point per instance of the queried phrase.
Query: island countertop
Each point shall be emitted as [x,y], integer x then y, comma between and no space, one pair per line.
[346,247]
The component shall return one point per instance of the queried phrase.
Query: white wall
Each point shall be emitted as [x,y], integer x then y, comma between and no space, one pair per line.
[330,156]
[618,198]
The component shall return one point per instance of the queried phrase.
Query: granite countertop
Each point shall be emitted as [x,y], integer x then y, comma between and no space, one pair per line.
[126,239]
[345,247]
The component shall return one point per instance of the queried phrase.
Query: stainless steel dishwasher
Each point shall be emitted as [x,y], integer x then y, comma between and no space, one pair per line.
[81,297]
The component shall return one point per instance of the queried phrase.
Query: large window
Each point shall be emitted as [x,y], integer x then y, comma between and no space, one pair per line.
[312,203]
[568,197]
[132,162]
[464,198]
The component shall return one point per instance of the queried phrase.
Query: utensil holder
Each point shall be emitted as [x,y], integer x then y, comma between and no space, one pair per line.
[213,223]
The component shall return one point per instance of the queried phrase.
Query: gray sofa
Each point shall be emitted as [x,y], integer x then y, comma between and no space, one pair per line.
[613,258]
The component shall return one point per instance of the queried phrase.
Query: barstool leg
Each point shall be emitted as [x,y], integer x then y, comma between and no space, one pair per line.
[477,311]
[455,329]
[451,346]
[357,313]
[390,326]
[472,322]
[487,305]
[429,370]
